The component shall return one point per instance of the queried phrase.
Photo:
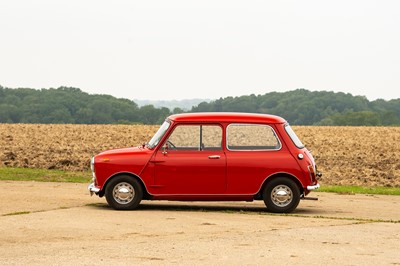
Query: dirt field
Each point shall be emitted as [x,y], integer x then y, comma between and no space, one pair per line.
[364,156]
[60,224]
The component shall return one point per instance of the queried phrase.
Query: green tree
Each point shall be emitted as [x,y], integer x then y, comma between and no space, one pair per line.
[299,107]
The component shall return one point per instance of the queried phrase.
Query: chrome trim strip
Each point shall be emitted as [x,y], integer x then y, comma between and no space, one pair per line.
[205,195]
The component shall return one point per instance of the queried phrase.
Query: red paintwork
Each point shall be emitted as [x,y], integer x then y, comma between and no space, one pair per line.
[191,175]
[227,117]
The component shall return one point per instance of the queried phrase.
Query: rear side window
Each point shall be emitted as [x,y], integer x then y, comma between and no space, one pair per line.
[252,137]
[294,137]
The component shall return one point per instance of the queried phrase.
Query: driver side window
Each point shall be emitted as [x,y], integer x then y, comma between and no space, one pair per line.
[195,137]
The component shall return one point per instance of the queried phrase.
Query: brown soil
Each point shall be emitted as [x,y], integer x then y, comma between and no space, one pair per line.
[363,156]
[60,224]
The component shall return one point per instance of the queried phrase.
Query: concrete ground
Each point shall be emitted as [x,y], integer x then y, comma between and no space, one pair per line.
[60,224]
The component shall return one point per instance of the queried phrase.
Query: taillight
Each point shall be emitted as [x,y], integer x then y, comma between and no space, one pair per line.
[313,178]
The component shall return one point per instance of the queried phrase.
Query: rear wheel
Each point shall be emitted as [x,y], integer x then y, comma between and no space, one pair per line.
[281,195]
[124,193]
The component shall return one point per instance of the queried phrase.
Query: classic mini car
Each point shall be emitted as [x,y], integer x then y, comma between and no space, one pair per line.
[210,157]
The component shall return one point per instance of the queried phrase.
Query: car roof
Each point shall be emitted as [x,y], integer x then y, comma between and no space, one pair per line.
[227,117]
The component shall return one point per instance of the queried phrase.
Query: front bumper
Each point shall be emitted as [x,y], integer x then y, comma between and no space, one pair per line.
[93,189]
[313,187]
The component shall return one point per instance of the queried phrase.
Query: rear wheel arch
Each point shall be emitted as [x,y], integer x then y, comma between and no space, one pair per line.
[281,193]
[280,175]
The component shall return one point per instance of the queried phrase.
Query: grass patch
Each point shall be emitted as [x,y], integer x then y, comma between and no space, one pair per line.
[43,175]
[16,213]
[361,190]
[354,219]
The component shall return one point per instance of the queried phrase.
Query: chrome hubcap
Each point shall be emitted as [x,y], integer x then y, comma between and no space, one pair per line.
[281,195]
[123,193]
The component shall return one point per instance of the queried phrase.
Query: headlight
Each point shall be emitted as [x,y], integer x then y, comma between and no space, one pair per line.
[92,164]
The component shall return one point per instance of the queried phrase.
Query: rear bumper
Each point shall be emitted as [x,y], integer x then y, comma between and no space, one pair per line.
[313,187]
[93,189]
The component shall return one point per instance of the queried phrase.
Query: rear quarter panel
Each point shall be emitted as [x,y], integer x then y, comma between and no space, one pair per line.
[247,170]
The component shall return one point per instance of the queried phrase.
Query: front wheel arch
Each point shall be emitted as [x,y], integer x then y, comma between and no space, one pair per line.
[146,195]
[124,192]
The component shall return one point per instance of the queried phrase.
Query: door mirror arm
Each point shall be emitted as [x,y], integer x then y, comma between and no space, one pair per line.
[165,149]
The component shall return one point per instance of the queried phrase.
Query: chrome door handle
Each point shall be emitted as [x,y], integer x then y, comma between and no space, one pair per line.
[214,157]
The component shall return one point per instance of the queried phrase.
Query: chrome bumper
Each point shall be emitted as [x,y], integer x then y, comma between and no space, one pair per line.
[92,189]
[313,187]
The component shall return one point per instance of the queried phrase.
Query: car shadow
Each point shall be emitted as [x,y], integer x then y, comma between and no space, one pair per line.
[202,207]
[225,208]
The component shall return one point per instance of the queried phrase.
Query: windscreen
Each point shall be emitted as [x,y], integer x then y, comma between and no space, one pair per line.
[159,134]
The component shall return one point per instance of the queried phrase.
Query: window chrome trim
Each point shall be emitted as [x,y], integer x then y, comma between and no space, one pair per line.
[251,124]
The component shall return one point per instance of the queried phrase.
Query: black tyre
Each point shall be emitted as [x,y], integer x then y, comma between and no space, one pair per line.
[124,193]
[281,195]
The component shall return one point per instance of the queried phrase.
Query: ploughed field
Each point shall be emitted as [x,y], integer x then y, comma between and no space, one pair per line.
[364,156]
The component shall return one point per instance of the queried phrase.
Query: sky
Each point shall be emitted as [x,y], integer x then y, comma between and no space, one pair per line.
[183,49]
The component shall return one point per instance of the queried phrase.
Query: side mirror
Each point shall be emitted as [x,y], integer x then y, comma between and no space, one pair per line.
[165,148]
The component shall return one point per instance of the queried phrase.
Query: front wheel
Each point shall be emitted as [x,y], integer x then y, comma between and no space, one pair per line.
[281,195]
[124,193]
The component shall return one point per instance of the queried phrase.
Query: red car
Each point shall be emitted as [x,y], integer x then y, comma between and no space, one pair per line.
[210,157]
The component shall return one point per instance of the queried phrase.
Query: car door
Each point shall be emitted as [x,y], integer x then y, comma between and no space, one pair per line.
[191,162]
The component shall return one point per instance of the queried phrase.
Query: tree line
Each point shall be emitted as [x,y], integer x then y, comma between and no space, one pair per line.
[304,107]
[67,105]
